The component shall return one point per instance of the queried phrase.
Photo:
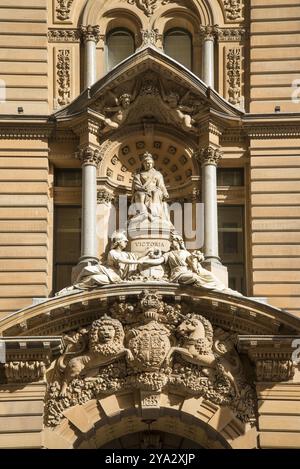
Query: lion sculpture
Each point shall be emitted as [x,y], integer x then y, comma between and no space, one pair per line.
[105,345]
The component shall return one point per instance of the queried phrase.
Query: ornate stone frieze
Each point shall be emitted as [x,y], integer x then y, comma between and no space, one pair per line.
[25,372]
[89,156]
[208,156]
[233,67]
[233,9]
[274,370]
[63,9]
[231,34]
[63,73]
[149,345]
[64,35]
[104,196]
[148,6]
[90,33]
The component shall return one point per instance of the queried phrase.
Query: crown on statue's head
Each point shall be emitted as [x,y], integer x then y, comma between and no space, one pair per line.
[147,156]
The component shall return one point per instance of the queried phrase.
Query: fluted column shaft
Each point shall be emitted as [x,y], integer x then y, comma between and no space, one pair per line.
[90,36]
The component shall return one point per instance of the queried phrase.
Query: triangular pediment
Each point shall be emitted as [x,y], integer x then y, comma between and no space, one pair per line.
[150,85]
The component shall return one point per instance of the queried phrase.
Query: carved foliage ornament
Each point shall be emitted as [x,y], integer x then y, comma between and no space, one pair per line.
[90,33]
[63,70]
[234,75]
[149,345]
[64,35]
[208,156]
[89,156]
[148,6]
[233,9]
[63,9]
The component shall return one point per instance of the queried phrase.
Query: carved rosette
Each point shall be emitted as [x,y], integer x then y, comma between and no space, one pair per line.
[233,9]
[89,156]
[63,80]
[90,33]
[234,75]
[208,156]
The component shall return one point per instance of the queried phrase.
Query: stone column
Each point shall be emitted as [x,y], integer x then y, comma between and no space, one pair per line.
[90,158]
[208,55]
[90,36]
[209,158]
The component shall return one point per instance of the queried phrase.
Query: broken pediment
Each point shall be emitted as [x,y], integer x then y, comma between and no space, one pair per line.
[150,86]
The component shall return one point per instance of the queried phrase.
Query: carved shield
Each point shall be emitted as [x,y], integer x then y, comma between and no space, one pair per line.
[149,346]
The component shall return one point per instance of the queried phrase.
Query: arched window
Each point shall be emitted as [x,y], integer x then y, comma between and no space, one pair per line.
[178,45]
[119,46]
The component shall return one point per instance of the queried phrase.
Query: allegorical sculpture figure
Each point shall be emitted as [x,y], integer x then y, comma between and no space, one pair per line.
[149,193]
[115,115]
[185,267]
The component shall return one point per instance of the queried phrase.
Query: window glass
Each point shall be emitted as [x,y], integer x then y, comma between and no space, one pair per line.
[119,46]
[67,241]
[68,178]
[231,177]
[231,244]
[178,45]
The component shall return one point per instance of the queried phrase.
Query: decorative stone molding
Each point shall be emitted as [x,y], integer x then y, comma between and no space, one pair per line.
[233,67]
[150,37]
[233,9]
[150,345]
[90,33]
[89,156]
[63,73]
[25,133]
[208,156]
[209,32]
[104,196]
[231,34]
[28,357]
[63,9]
[272,356]
[64,35]
[148,6]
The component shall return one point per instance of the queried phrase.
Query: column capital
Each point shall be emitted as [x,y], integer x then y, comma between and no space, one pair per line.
[90,33]
[209,32]
[208,156]
[89,156]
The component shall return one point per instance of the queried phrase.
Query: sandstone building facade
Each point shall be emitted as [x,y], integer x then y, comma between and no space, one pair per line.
[210,88]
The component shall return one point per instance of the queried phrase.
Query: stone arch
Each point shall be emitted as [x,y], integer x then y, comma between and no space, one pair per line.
[97,11]
[98,422]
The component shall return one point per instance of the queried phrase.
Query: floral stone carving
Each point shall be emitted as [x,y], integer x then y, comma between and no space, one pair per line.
[151,346]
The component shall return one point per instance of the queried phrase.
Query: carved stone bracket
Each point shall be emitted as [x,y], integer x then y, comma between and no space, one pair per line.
[90,33]
[272,356]
[26,359]
[63,9]
[64,35]
[89,156]
[208,156]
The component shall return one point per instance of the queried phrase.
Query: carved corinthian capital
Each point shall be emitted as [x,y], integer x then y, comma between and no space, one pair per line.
[89,156]
[208,32]
[90,33]
[208,156]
